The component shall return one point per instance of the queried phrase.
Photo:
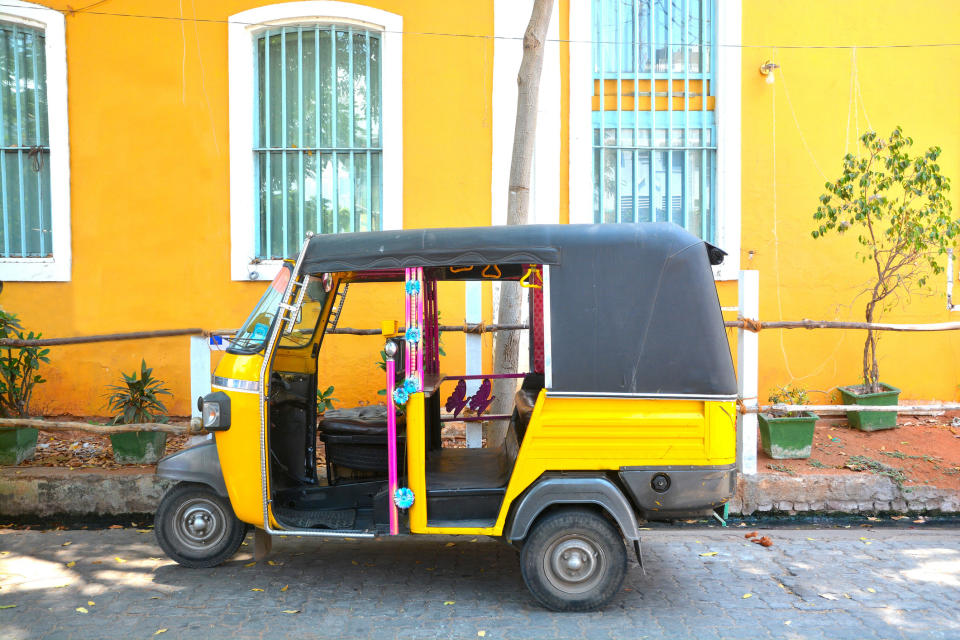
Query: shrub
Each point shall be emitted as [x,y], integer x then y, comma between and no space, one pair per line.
[788,394]
[18,368]
[136,400]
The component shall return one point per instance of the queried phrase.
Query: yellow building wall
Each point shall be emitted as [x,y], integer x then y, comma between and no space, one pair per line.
[149,142]
[150,185]
[795,133]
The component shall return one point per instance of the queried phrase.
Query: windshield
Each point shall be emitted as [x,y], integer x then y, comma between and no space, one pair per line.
[252,335]
[254,332]
[313,300]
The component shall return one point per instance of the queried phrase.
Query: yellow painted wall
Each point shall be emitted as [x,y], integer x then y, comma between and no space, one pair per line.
[150,186]
[150,180]
[785,149]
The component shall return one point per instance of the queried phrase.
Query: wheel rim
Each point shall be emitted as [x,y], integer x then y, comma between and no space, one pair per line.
[574,563]
[199,524]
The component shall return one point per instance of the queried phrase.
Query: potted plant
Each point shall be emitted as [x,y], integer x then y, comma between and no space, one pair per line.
[896,204]
[135,401]
[325,400]
[18,378]
[787,434]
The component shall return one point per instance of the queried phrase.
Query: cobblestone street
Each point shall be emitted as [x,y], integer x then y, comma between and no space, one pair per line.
[699,583]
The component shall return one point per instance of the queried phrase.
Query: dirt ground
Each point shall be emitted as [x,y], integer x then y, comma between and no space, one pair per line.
[82,450]
[921,450]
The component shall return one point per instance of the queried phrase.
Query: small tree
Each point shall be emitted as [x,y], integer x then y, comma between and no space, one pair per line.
[897,205]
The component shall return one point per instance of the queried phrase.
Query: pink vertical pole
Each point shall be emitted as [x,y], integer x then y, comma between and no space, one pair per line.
[420,324]
[391,448]
[406,297]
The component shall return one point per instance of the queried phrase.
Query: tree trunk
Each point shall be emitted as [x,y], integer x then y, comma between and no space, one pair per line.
[871,373]
[506,344]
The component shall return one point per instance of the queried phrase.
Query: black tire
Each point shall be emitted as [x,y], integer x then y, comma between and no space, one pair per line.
[196,527]
[573,560]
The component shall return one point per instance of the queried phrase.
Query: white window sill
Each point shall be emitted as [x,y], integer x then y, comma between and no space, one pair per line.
[263,271]
[34,270]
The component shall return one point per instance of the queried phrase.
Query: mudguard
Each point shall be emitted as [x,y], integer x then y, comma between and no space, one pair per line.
[199,463]
[572,488]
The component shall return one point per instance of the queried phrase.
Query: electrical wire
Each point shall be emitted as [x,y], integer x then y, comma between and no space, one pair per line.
[796,121]
[203,79]
[725,45]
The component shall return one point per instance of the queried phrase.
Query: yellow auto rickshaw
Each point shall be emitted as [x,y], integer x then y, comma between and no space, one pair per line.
[627,413]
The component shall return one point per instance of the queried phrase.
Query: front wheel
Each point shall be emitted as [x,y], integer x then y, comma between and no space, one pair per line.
[573,560]
[196,526]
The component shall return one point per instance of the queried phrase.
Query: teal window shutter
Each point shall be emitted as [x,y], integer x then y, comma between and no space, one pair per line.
[24,144]
[317,134]
[654,123]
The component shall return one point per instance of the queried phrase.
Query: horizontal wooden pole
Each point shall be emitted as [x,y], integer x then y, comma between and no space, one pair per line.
[145,335]
[465,328]
[105,337]
[101,429]
[758,325]
[838,408]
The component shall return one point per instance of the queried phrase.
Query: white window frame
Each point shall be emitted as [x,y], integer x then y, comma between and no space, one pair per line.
[242,33]
[57,267]
[728,127]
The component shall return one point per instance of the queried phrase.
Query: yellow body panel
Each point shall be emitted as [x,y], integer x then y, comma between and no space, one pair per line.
[597,434]
[239,446]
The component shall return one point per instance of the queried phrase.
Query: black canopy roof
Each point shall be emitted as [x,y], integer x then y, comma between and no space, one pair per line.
[633,307]
[535,244]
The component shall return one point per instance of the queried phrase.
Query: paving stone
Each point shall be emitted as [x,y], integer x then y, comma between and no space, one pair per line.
[389,593]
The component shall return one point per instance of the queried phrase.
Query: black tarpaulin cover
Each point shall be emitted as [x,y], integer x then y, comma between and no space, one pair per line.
[633,307]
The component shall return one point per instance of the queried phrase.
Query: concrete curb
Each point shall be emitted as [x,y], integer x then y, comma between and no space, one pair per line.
[845,493]
[50,491]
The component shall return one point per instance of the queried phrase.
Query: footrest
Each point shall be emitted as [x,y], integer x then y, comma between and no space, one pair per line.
[327,518]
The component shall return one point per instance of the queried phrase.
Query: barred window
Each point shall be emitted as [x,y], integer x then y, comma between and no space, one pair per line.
[317,134]
[24,144]
[654,119]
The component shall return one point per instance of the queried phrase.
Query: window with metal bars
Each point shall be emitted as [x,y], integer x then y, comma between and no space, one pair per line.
[654,122]
[24,144]
[317,134]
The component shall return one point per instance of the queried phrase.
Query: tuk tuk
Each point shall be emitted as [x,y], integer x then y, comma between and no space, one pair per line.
[627,413]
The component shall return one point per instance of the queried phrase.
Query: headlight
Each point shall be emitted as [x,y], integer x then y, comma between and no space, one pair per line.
[215,411]
[211,414]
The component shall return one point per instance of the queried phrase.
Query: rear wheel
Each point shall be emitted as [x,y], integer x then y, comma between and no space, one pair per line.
[573,560]
[196,526]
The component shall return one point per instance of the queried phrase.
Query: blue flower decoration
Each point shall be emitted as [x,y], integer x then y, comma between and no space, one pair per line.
[400,396]
[411,385]
[413,334]
[413,287]
[403,498]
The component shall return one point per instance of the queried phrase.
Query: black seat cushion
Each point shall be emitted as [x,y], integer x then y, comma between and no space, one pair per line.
[358,421]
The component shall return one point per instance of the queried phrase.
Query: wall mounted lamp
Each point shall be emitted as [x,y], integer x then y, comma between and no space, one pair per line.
[766,70]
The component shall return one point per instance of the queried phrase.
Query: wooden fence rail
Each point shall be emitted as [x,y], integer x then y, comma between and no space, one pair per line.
[757,325]
[101,429]
[844,408]
[475,328]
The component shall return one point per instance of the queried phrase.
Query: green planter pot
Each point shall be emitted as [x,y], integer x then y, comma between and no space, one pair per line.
[787,437]
[17,445]
[871,420]
[138,447]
